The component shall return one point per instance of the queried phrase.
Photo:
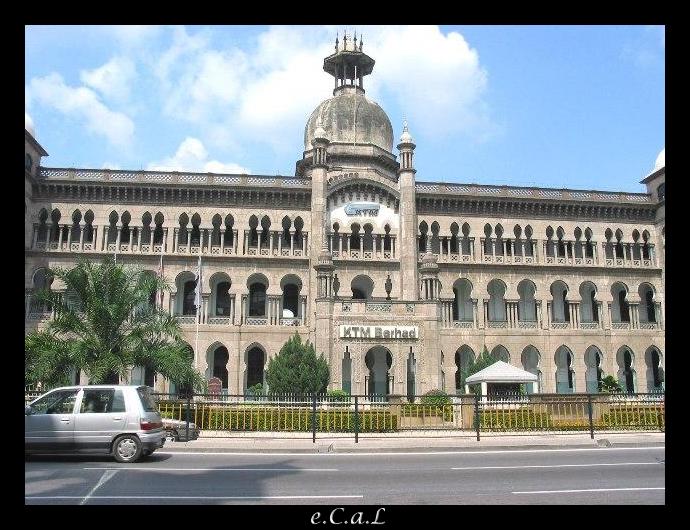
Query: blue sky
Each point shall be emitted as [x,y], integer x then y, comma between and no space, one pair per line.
[556,106]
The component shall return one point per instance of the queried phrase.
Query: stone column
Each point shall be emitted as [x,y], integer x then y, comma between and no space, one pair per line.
[270,242]
[292,242]
[635,316]
[340,244]
[280,243]
[222,241]
[472,249]
[139,231]
[59,237]
[408,219]
[235,240]
[246,243]
[69,237]
[34,236]
[361,245]
[305,236]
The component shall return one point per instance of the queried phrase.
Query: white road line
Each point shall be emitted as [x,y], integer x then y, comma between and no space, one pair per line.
[557,466]
[197,497]
[583,491]
[418,453]
[195,469]
[105,478]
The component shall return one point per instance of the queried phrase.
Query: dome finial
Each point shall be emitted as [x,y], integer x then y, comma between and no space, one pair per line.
[336,42]
[360,42]
[345,39]
[405,137]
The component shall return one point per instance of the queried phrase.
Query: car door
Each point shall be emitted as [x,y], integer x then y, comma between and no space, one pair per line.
[49,421]
[100,417]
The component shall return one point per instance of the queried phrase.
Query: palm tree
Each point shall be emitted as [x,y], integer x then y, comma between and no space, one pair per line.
[106,323]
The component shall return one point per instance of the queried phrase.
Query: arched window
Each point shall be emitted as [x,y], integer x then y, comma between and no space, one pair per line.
[253,234]
[158,231]
[146,220]
[265,232]
[527,305]
[423,230]
[125,232]
[463,309]
[464,357]
[182,238]
[620,310]
[196,231]
[497,303]
[560,311]
[189,296]
[354,237]
[362,287]
[256,360]
[28,162]
[223,299]
[647,311]
[589,307]
[229,233]
[661,191]
[565,374]
[454,247]
[257,300]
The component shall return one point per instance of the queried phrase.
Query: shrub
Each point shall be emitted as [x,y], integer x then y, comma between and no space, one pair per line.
[253,418]
[338,396]
[436,397]
[514,419]
[413,410]
[297,369]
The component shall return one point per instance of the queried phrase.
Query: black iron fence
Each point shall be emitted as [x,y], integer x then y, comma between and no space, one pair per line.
[228,415]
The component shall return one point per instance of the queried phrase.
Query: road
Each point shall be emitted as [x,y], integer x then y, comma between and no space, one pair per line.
[611,475]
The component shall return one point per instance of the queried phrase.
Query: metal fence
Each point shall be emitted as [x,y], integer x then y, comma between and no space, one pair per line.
[229,415]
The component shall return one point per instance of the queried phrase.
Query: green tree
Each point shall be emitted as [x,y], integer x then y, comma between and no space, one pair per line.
[485,359]
[106,323]
[609,385]
[297,369]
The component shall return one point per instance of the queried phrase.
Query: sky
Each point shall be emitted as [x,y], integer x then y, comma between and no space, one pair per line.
[580,107]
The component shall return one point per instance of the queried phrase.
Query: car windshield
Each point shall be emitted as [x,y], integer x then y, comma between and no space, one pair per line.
[147,400]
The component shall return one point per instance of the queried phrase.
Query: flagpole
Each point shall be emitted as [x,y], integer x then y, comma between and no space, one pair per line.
[198,301]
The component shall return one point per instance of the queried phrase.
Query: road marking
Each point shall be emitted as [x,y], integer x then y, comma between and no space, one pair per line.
[557,466]
[197,497]
[419,453]
[211,469]
[105,478]
[584,491]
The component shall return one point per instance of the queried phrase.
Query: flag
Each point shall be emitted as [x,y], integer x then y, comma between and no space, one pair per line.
[197,297]
[161,276]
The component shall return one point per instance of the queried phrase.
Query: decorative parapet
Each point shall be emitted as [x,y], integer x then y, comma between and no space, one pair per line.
[532,193]
[172,177]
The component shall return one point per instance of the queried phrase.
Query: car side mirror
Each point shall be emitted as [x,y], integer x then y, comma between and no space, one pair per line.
[27,410]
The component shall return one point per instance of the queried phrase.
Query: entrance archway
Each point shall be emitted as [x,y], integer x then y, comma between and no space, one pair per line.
[378,361]
[255,367]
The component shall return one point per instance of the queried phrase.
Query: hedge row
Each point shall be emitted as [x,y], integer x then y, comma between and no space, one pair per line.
[411,410]
[511,419]
[283,419]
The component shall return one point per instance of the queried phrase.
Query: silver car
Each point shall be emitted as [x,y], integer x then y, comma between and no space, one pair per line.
[119,420]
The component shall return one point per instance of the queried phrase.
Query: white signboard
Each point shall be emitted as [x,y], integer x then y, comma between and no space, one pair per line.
[379,332]
[373,213]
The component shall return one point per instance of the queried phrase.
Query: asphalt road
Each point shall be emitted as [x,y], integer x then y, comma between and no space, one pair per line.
[614,475]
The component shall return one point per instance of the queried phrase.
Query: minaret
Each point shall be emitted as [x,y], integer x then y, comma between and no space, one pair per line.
[320,279]
[348,65]
[409,286]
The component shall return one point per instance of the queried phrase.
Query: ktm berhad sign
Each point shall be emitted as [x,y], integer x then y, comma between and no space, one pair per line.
[379,332]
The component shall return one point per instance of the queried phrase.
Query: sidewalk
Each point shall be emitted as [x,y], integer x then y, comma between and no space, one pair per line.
[402,442]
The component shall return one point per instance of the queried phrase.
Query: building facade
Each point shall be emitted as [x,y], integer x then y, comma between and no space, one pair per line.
[399,282]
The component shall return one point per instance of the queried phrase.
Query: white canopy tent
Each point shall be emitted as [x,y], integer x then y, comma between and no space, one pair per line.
[499,372]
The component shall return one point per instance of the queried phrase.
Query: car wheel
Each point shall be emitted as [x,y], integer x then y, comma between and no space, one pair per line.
[127,449]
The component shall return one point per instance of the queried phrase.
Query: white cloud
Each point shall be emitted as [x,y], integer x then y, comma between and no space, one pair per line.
[135,36]
[191,155]
[436,78]
[660,159]
[113,79]
[29,124]
[267,94]
[83,104]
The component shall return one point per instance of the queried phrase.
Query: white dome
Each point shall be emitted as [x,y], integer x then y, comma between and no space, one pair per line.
[406,137]
[29,124]
[661,159]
